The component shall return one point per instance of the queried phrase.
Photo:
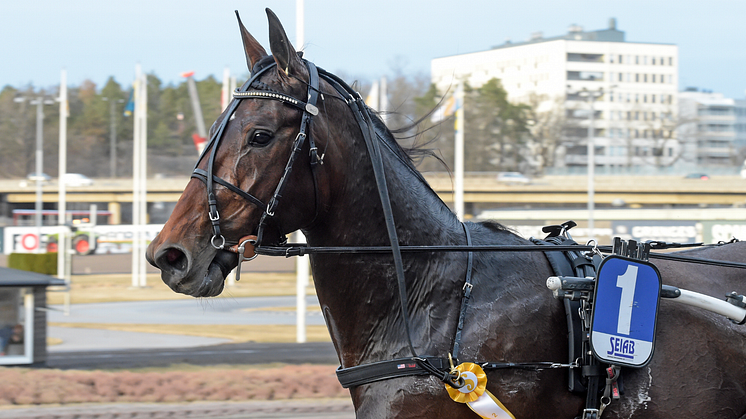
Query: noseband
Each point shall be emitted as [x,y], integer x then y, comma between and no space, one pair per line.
[260,91]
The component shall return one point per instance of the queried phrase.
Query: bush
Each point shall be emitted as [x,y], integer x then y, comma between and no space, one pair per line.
[43,263]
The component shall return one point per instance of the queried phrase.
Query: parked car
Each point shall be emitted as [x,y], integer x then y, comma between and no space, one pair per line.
[700,176]
[31,179]
[76,179]
[38,176]
[512,177]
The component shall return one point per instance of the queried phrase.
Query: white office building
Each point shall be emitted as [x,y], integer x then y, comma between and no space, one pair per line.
[635,117]
[713,129]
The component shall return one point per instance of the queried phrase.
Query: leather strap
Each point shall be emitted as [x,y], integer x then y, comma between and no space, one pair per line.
[464,299]
[384,370]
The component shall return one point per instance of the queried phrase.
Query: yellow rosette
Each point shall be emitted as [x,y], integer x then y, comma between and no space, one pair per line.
[474,393]
[475,382]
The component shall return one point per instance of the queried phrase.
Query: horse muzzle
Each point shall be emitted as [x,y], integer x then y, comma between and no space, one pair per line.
[177,270]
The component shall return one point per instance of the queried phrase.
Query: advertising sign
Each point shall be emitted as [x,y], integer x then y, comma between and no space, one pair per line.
[723,231]
[667,231]
[625,311]
[100,239]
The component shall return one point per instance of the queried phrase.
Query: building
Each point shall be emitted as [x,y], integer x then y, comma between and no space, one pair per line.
[636,84]
[713,129]
[23,315]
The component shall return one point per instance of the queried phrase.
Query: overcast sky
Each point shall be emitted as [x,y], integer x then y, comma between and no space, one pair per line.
[95,39]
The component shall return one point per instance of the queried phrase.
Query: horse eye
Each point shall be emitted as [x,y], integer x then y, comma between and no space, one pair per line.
[260,138]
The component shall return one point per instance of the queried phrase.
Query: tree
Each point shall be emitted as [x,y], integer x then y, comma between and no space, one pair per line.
[548,127]
[495,129]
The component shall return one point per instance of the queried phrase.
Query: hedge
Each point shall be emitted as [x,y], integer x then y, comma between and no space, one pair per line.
[43,263]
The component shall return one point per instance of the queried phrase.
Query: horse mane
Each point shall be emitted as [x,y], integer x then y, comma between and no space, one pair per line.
[418,151]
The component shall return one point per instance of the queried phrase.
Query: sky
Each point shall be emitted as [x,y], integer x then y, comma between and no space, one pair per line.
[96,39]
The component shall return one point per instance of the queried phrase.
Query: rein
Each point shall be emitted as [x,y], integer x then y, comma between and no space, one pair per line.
[301,249]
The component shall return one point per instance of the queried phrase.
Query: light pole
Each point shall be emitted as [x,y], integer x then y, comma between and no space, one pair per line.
[112,134]
[40,101]
[592,95]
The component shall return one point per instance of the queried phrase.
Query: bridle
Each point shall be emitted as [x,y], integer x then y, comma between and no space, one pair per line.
[253,89]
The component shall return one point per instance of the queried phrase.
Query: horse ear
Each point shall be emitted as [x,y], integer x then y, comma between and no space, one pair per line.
[253,50]
[283,52]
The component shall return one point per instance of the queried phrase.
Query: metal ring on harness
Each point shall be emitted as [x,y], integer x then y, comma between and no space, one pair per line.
[222,245]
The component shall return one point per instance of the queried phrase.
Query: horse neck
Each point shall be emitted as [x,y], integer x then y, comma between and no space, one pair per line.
[359,293]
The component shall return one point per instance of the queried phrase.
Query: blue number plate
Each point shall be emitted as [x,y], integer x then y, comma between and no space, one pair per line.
[625,311]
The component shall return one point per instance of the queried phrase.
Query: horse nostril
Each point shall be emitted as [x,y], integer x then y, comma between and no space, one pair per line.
[174,259]
[173,254]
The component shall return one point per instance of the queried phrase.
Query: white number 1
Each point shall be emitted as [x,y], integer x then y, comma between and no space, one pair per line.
[627,283]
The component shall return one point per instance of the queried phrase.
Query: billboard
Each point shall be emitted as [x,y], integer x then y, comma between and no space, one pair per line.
[667,231]
[100,239]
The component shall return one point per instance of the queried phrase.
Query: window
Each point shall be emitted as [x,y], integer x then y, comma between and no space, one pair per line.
[670,60]
[16,325]
[621,77]
[637,59]
[644,98]
[653,63]
[645,78]
[585,75]
[652,98]
[637,77]
[653,77]
[585,58]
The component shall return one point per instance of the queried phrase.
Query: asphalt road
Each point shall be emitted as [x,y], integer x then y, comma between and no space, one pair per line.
[234,353]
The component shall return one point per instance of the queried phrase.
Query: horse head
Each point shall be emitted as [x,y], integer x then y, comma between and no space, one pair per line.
[259,177]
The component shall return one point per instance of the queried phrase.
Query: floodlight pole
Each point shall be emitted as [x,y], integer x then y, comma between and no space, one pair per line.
[302,267]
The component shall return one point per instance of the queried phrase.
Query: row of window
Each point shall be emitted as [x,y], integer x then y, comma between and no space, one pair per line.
[721,111]
[715,127]
[708,143]
[621,59]
[640,133]
[640,116]
[641,98]
[627,97]
[620,77]
[639,151]
[642,78]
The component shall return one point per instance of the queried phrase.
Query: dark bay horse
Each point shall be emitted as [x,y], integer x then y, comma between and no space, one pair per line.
[331,194]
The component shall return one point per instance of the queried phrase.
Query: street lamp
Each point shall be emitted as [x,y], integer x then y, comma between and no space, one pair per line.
[39,101]
[112,134]
[592,95]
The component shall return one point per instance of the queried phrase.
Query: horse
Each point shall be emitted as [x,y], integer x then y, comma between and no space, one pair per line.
[262,177]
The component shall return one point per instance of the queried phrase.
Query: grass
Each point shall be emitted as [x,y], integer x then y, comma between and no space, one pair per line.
[118,287]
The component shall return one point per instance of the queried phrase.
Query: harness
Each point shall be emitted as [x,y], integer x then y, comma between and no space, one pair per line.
[565,255]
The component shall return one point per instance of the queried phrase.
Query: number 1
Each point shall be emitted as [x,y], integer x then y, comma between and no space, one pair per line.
[627,283]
